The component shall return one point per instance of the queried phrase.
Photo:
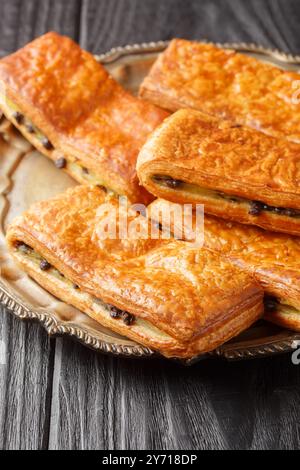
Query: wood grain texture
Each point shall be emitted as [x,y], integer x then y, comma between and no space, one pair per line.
[102,402]
[271,23]
[25,384]
[60,395]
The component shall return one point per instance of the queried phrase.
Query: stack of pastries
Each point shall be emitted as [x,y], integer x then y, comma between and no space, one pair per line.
[210,127]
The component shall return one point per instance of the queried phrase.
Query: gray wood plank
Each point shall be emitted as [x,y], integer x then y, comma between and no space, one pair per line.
[272,23]
[25,384]
[22,21]
[85,414]
[107,403]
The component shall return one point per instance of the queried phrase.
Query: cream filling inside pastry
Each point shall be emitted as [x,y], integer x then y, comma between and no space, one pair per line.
[97,305]
[254,207]
[280,306]
[74,166]
[81,173]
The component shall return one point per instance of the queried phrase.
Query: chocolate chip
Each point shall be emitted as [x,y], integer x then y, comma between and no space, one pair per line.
[270,303]
[173,183]
[23,247]
[85,170]
[44,265]
[284,211]
[115,312]
[168,181]
[128,318]
[291,212]
[236,126]
[255,208]
[18,117]
[103,188]
[75,286]
[61,163]
[30,128]
[47,144]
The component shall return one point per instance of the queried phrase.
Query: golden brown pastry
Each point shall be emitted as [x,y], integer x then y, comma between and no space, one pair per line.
[273,258]
[161,293]
[67,105]
[226,84]
[236,172]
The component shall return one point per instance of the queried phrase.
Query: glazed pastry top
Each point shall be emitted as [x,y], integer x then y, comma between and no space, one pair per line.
[67,85]
[216,154]
[226,84]
[182,290]
[259,247]
[272,257]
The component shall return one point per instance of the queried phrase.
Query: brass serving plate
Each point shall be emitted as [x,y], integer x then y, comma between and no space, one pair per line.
[26,176]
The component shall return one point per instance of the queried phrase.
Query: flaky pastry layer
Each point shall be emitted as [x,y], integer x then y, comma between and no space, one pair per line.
[236,172]
[227,84]
[184,302]
[272,258]
[68,106]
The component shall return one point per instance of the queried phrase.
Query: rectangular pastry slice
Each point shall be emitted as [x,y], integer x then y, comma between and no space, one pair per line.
[272,258]
[226,84]
[68,106]
[236,172]
[161,293]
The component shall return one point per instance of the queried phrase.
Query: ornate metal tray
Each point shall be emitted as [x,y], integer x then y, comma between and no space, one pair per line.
[26,176]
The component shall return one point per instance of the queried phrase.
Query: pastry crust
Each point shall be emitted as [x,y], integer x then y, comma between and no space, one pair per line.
[226,167]
[226,84]
[85,114]
[272,258]
[194,299]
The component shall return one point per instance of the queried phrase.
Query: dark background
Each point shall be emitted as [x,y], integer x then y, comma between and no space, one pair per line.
[58,394]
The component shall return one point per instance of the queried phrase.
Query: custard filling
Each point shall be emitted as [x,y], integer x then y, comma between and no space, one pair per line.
[17,117]
[74,165]
[254,207]
[97,305]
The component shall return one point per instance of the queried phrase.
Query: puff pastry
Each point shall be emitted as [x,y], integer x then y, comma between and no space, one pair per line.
[67,105]
[272,258]
[226,84]
[236,172]
[161,293]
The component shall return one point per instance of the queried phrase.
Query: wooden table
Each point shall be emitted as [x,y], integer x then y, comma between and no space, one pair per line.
[56,394]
